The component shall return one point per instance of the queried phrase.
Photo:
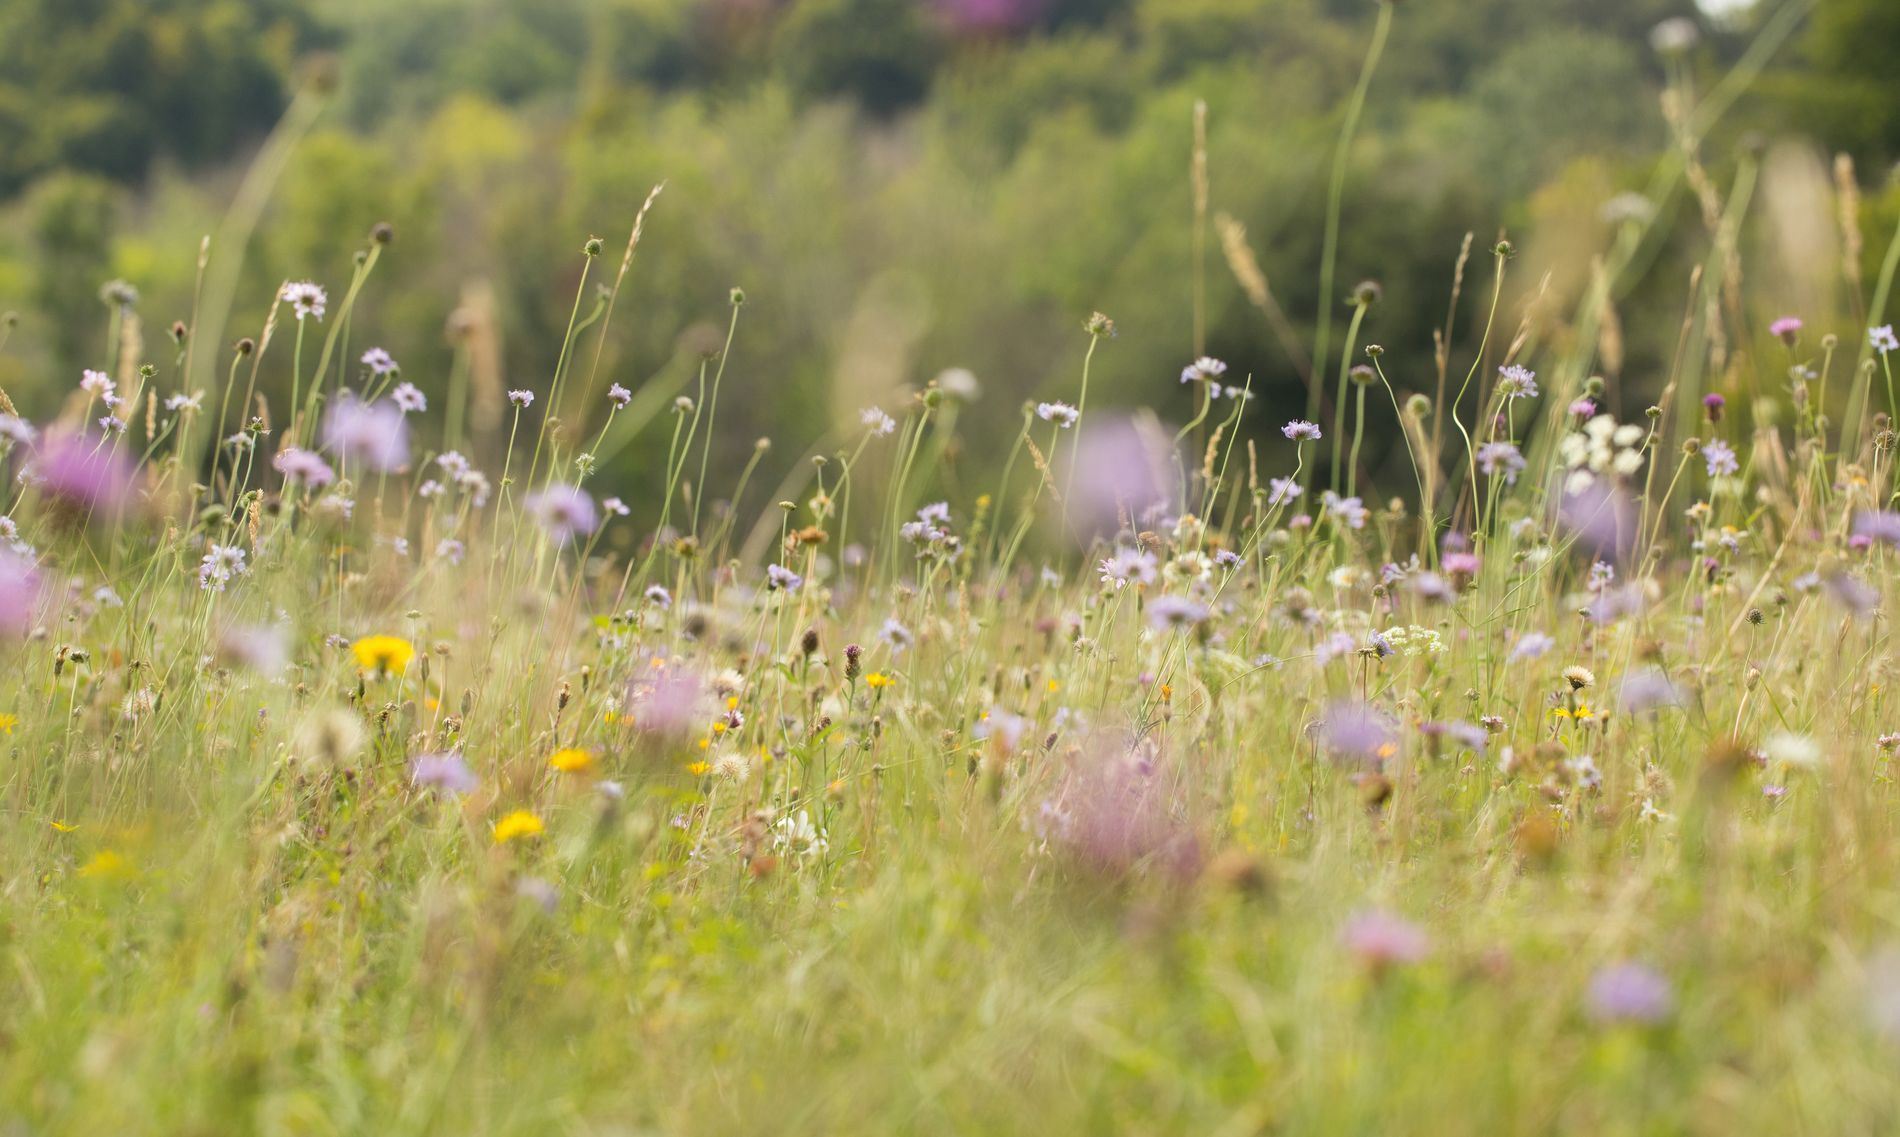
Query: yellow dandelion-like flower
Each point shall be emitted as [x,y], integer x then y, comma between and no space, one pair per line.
[699,769]
[520,823]
[8,722]
[62,827]
[877,680]
[572,760]
[388,655]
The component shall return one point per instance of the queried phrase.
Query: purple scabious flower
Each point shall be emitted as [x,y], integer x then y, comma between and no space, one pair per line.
[1120,469]
[1630,993]
[1280,491]
[371,435]
[379,361]
[667,701]
[1648,690]
[264,648]
[1463,564]
[779,578]
[445,773]
[1381,939]
[1062,414]
[521,399]
[564,511]
[1176,612]
[1496,458]
[1203,370]
[1720,457]
[1583,407]
[1357,732]
[220,565]
[1299,430]
[1850,592]
[1878,525]
[83,473]
[1128,566]
[1602,518]
[619,396]
[1882,339]
[875,420]
[19,593]
[1515,382]
[408,397]
[1531,645]
[1350,510]
[305,466]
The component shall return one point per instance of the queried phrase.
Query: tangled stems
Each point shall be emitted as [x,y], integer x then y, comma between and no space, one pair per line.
[1484,341]
[1345,368]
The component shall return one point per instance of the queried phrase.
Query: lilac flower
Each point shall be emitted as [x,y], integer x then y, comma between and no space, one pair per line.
[1501,457]
[264,648]
[408,397]
[17,431]
[616,507]
[876,421]
[1120,812]
[1851,593]
[778,577]
[1381,939]
[1202,370]
[521,399]
[445,773]
[1883,339]
[371,435]
[1280,491]
[1062,414]
[111,424]
[1299,430]
[1583,407]
[96,383]
[1786,329]
[304,298]
[1601,517]
[896,635]
[936,513]
[1357,732]
[659,597]
[19,593]
[1878,525]
[1531,646]
[1515,382]
[1721,458]
[1334,646]
[184,402]
[450,550]
[619,396]
[1350,510]
[379,361]
[1630,993]
[305,466]
[1121,469]
[1128,566]
[221,563]
[668,701]
[564,511]
[1648,690]
[1176,612]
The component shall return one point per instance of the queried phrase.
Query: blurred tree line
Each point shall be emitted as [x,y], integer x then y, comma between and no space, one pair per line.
[900,186]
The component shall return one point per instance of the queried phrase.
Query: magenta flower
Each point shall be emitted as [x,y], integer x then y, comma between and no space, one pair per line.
[1786,329]
[84,473]
[304,466]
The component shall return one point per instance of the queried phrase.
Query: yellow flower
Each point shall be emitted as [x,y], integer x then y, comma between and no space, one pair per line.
[572,760]
[107,865]
[62,826]
[520,823]
[877,680]
[387,654]
[8,722]
[699,769]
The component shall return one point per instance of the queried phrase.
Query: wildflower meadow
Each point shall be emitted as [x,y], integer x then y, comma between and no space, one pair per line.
[1481,735]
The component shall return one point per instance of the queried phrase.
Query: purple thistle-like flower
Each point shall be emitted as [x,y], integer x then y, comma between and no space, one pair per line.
[1786,329]
[564,511]
[1299,430]
[1381,939]
[445,773]
[1630,993]
[371,435]
[1720,457]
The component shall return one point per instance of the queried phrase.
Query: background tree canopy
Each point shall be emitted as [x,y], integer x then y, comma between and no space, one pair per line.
[900,186]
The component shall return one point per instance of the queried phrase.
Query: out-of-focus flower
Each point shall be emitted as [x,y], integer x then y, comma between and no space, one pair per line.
[1720,457]
[19,593]
[1356,732]
[563,511]
[304,298]
[1630,993]
[384,655]
[373,436]
[876,421]
[445,773]
[1381,940]
[518,825]
[83,473]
